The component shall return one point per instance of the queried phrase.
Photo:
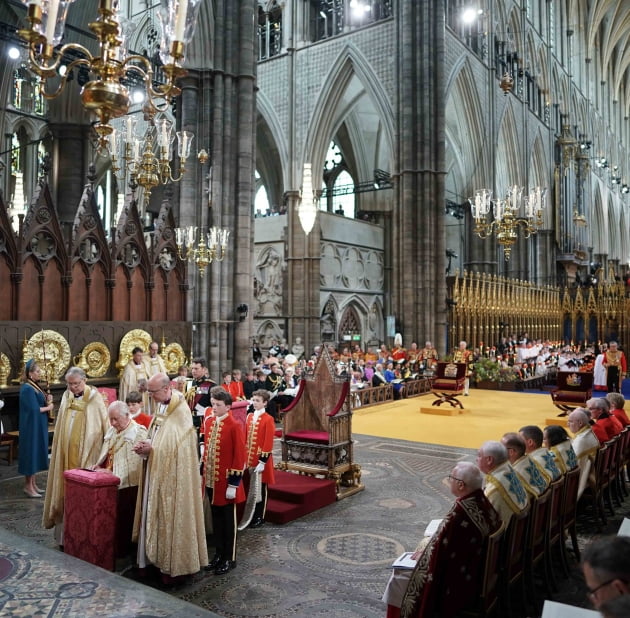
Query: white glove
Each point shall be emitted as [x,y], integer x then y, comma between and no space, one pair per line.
[260,467]
[1,404]
[230,492]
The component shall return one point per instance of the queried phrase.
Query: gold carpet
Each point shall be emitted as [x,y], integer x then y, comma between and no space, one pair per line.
[492,413]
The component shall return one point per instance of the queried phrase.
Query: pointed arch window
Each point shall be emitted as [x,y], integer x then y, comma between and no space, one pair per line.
[269,31]
[332,17]
[26,94]
[338,184]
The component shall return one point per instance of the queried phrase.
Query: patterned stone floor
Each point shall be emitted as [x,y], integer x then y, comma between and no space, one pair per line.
[334,562]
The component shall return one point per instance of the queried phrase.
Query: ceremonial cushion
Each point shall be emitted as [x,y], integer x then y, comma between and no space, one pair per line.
[108,394]
[447,384]
[318,437]
[570,396]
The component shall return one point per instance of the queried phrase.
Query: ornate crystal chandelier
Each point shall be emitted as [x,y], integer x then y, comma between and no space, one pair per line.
[106,93]
[506,220]
[209,247]
[147,159]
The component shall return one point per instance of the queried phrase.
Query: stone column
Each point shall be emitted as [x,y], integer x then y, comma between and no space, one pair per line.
[418,286]
[70,157]
[224,111]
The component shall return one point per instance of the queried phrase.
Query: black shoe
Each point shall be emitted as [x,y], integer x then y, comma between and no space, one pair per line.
[256,523]
[214,563]
[224,567]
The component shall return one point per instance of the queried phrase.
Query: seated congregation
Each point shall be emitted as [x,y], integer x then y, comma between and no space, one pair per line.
[501,547]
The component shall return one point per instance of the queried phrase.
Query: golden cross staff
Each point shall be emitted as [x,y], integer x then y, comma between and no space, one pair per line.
[45,363]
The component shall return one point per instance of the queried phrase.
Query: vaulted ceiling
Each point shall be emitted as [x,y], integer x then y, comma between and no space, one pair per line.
[607,25]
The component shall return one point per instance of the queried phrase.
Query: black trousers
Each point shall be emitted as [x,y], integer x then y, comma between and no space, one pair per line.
[223,528]
[261,507]
[612,379]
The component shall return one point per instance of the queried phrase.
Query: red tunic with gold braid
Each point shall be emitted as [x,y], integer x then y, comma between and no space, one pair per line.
[260,435]
[224,456]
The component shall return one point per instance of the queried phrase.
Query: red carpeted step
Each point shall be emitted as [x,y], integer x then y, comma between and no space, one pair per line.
[279,512]
[295,495]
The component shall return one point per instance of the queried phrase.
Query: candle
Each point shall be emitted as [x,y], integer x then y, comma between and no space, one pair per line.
[180,20]
[53,9]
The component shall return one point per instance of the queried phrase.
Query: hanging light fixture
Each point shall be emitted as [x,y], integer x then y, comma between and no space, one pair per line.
[307,208]
[147,159]
[210,246]
[106,94]
[509,214]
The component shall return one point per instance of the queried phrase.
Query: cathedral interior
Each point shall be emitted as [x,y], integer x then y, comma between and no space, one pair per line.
[343,170]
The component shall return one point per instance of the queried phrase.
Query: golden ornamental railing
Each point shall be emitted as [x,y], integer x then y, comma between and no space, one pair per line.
[483,308]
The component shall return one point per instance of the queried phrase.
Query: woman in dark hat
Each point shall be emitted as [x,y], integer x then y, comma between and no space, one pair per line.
[34,408]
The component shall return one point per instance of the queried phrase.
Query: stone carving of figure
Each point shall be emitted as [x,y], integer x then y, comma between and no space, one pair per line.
[269,282]
[298,348]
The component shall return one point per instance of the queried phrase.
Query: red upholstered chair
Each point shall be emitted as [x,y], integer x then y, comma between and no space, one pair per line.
[317,428]
[449,383]
[573,390]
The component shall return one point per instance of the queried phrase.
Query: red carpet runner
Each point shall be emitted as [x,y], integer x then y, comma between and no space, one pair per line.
[295,495]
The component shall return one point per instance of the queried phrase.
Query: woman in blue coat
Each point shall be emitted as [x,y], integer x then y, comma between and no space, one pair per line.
[34,408]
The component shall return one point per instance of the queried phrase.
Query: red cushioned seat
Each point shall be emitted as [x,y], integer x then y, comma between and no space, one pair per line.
[447,384]
[318,437]
[572,396]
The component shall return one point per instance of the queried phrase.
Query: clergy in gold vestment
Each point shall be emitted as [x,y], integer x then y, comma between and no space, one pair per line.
[117,454]
[134,378]
[79,430]
[169,525]
[154,362]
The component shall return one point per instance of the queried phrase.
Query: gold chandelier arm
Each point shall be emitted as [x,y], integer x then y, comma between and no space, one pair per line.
[145,70]
[64,78]
[167,90]
[42,69]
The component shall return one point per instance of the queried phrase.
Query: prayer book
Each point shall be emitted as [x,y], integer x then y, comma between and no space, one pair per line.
[432,527]
[551,609]
[404,561]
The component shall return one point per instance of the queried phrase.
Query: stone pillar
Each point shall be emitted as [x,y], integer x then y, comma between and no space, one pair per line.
[70,158]
[418,285]
[303,266]
[221,103]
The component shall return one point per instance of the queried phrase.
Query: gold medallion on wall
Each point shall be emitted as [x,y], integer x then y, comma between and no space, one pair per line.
[136,338]
[94,359]
[174,357]
[51,352]
[5,370]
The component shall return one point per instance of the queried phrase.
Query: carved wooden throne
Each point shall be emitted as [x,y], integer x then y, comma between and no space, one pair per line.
[317,429]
